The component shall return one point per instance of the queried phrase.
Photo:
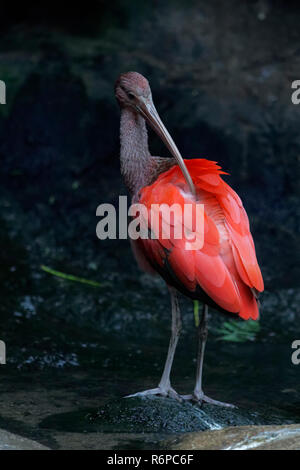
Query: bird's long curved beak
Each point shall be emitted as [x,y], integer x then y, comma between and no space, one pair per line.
[147,109]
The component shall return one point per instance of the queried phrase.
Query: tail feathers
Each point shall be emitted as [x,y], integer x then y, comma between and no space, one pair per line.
[248,302]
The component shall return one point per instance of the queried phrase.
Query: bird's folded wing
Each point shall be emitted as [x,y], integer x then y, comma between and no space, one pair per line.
[230,288]
[203,266]
[236,221]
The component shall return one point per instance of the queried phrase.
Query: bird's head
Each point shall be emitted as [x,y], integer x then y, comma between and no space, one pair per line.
[132,91]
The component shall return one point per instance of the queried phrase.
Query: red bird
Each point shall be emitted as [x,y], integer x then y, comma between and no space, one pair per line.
[224,272]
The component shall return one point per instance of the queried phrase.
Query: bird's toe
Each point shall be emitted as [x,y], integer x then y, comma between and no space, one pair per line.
[200,398]
[163,392]
[173,394]
[211,401]
[144,393]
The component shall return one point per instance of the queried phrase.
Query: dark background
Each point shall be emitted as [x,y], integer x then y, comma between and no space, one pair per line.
[221,75]
[221,81]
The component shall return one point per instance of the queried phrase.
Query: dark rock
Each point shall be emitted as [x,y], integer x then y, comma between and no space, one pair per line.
[151,415]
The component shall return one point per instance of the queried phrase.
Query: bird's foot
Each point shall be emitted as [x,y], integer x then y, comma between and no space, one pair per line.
[160,391]
[200,398]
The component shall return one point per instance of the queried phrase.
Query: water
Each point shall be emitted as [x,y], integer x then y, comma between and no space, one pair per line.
[55,404]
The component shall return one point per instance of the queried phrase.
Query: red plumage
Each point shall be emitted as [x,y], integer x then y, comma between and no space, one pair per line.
[225,268]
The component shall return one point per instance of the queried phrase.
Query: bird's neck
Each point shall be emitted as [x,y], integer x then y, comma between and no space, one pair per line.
[136,161]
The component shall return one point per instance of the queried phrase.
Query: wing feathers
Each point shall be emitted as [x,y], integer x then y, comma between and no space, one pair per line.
[230,279]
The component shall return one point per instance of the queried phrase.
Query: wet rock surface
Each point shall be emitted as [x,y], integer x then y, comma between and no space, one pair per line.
[73,346]
[9,441]
[241,438]
[149,415]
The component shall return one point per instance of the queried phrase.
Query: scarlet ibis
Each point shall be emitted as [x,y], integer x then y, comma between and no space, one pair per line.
[224,273]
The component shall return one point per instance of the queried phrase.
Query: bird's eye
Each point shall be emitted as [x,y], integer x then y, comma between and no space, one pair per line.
[130,95]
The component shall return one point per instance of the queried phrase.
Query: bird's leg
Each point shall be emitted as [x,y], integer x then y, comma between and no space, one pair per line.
[198,394]
[202,338]
[164,387]
[165,383]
